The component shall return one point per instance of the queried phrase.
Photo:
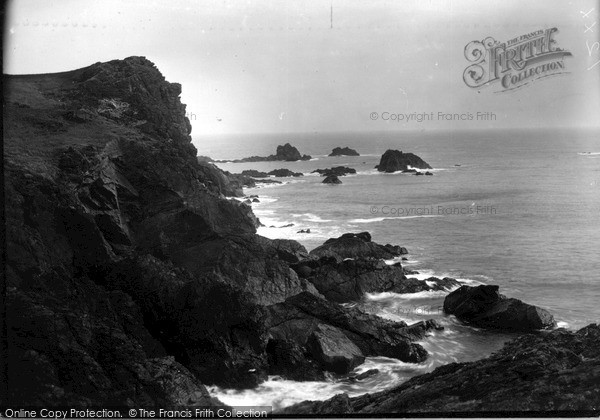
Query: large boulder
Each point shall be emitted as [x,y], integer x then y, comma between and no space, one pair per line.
[333,350]
[483,306]
[548,373]
[395,160]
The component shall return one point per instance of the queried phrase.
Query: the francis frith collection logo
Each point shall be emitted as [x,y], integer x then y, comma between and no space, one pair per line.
[516,62]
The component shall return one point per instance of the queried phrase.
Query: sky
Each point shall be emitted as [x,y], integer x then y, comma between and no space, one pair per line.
[322,65]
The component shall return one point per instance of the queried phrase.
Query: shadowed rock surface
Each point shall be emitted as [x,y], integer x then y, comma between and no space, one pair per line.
[548,372]
[483,306]
[395,160]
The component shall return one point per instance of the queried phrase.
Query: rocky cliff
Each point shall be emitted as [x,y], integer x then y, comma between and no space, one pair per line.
[132,279]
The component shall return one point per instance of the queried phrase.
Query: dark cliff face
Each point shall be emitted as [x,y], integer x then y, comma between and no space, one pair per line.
[102,183]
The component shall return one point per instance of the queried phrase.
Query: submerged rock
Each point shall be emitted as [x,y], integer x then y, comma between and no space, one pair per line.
[395,160]
[483,306]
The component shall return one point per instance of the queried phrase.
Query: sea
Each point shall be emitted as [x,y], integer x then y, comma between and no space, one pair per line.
[518,208]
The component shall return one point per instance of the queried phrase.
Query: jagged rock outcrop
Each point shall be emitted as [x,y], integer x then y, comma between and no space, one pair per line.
[549,372]
[356,245]
[288,152]
[350,279]
[296,320]
[336,170]
[343,151]
[343,269]
[483,306]
[395,160]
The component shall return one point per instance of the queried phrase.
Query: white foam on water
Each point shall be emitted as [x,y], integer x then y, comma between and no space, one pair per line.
[293,232]
[309,217]
[470,282]
[381,219]
[562,324]
[368,172]
[280,393]
[275,392]
[262,201]
[263,211]
[261,185]
[408,296]
[398,316]
[400,260]
[588,153]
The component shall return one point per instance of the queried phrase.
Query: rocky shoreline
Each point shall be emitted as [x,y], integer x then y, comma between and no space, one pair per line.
[132,280]
[532,375]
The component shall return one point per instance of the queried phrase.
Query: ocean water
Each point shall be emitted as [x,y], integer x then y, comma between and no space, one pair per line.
[517,208]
